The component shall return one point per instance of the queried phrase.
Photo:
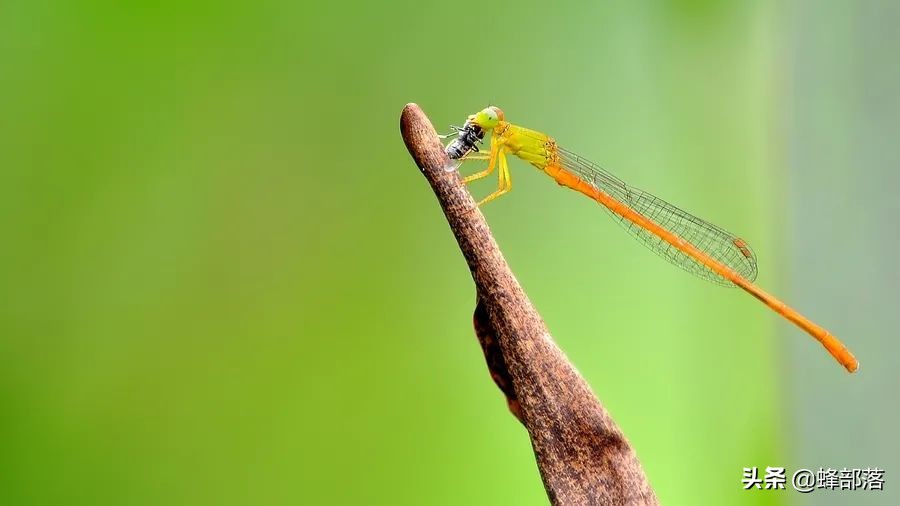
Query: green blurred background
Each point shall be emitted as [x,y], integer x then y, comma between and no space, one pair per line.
[223,281]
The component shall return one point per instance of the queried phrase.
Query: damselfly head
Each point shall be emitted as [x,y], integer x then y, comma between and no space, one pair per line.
[488,117]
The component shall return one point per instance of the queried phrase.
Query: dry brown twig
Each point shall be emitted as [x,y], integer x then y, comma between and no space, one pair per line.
[581,453]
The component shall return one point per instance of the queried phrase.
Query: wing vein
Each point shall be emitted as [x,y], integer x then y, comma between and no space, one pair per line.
[716,242]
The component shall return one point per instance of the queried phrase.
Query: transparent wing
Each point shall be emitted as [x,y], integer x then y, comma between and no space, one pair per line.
[719,244]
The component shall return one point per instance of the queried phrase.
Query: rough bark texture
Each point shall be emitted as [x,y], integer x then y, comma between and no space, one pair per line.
[582,454]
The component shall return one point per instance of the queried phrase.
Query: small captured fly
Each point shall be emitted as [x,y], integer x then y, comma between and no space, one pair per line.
[467,140]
